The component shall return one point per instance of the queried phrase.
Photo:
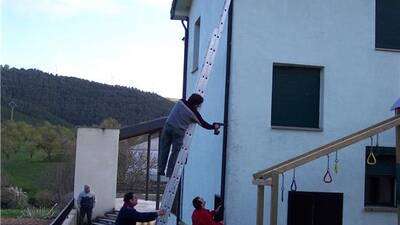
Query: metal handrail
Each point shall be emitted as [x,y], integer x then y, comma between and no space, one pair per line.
[63,214]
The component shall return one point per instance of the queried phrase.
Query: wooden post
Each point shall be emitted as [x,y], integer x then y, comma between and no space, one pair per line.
[274,199]
[260,205]
[398,168]
[148,166]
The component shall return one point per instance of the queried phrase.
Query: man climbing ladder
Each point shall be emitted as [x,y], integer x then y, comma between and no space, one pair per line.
[172,185]
[181,116]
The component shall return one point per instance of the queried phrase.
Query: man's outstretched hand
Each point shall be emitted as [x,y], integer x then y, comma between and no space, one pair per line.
[216,127]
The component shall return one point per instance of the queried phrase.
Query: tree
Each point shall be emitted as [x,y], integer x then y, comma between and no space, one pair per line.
[49,140]
[10,138]
[28,136]
[110,123]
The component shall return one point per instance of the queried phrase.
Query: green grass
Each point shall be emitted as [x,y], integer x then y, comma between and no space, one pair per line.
[11,213]
[27,173]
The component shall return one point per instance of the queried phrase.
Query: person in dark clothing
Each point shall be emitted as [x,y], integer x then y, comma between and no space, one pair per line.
[86,201]
[201,215]
[181,116]
[129,216]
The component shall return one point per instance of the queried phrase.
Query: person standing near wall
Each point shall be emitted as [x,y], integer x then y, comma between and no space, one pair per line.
[203,216]
[86,202]
[129,216]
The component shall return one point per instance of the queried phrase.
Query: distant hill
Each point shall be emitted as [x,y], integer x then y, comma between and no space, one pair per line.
[72,101]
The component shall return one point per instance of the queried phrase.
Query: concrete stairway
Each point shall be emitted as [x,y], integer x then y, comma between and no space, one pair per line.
[110,217]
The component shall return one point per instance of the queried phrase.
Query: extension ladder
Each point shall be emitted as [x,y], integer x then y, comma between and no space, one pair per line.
[172,185]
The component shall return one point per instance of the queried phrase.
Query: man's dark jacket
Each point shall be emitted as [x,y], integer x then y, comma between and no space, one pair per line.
[129,216]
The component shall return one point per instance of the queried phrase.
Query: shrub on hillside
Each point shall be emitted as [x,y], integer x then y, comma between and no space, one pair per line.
[13,198]
[44,199]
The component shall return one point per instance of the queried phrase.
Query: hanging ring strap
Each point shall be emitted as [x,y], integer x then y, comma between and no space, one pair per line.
[336,167]
[293,186]
[371,160]
[282,186]
[327,177]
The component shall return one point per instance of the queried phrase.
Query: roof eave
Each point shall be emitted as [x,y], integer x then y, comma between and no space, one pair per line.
[180,9]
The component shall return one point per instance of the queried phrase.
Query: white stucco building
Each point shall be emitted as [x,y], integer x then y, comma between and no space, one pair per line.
[291,76]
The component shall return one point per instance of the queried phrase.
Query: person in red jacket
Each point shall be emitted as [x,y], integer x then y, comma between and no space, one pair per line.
[201,215]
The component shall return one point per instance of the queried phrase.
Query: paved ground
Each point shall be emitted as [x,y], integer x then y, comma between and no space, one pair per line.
[14,221]
[142,206]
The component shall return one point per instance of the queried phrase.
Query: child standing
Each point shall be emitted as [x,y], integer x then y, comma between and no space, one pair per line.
[181,116]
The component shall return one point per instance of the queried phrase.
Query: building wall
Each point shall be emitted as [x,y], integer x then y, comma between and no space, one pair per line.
[203,171]
[359,86]
[96,165]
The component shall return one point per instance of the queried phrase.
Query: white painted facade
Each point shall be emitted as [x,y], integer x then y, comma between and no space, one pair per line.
[96,165]
[202,174]
[359,85]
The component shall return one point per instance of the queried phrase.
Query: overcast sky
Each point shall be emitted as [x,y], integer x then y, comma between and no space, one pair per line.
[125,42]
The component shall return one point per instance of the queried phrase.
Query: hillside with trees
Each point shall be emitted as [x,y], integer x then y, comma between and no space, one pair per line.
[41,96]
[38,144]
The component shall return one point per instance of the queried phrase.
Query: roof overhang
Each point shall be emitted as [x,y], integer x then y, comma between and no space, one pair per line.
[148,127]
[180,9]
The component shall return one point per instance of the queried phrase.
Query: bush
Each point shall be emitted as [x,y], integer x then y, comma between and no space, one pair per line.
[44,199]
[13,198]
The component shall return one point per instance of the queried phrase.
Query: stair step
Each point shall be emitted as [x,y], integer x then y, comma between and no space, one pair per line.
[99,223]
[102,223]
[111,215]
[113,211]
[105,220]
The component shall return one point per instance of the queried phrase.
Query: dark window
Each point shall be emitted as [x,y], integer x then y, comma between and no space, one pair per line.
[296,96]
[380,178]
[305,208]
[196,45]
[387,24]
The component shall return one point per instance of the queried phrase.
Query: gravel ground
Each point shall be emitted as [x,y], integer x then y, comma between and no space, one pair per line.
[14,221]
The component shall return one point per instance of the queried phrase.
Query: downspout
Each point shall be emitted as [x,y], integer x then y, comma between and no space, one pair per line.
[226,103]
[184,90]
[186,27]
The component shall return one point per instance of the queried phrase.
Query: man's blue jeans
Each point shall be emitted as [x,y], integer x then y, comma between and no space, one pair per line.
[170,136]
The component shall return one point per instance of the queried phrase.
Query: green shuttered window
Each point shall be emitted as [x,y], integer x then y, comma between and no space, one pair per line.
[296,96]
[387,24]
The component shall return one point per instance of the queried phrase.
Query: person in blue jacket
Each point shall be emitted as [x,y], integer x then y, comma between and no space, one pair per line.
[129,216]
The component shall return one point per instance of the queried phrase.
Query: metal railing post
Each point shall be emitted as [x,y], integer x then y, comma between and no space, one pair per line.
[158,175]
[148,166]
[398,168]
